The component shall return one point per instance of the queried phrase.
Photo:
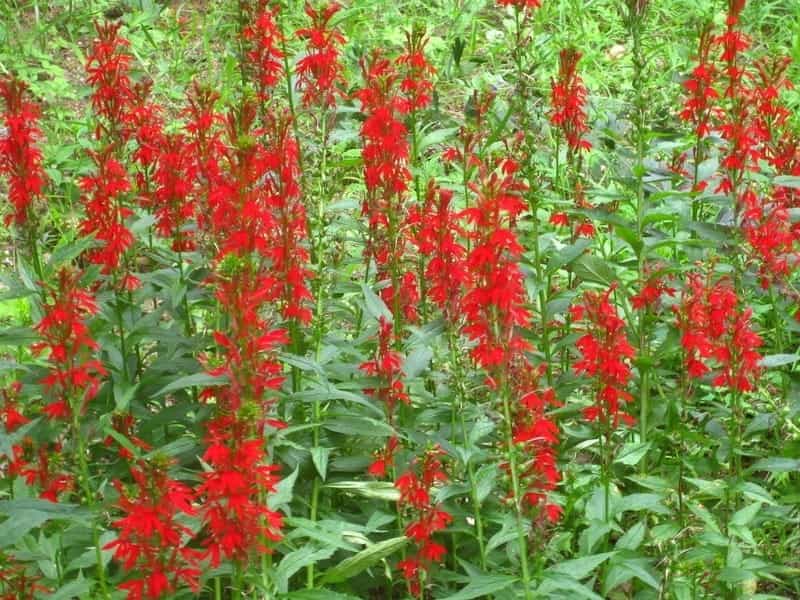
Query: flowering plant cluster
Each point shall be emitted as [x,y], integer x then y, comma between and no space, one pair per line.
[291,313]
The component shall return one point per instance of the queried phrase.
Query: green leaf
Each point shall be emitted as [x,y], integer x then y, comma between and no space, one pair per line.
[791,181]
[296,560]
[637,502]
[14,528]
[437,136]
[17,336]
[380,490]
[631,454]
[375,305]
[80,588]
[319,456]
[567,255]
[558,582]
[595,269]
[362,426]
[743,516]
[483,585]
[485,479]
[417,361]
[776,464]
[777,360]
[632,538]
[283,491]
[579,568]
[353,565]
[188,381]
[318,594]
[65,253]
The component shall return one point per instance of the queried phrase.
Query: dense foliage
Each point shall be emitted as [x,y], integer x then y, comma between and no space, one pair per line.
[457,299]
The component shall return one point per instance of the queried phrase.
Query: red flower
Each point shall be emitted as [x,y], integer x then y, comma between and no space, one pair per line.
[264,40]
[105,211]
[494,303]
[73,379]
[174,202]
[288,250]
[237,521]
[416,86]
[107,67]
[521,4]
[716,333]
[569,101]
[15,581]
[387,368]
[699,107]
[415,487]
[438,237]
[319,72]
[20,157]
[605,352]
[151,540]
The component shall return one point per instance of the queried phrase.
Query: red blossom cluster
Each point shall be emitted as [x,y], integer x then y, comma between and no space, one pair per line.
[653,288]
[288,252]
[264,39]
[742,102]
[151,541]
[386,176]
[38,465]
[103,198]
[494,301]
[387,368]
[174,202]
[236,519]
[20,156]
[15,581]
[74,377]
[416,85]
[416,486]
[521,4]
[700,106]
[605,355]
[42,466]
[716,333]
[319,72]
[536,433]
[569,101]
[438,237]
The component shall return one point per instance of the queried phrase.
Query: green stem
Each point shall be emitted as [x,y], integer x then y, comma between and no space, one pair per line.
[512,460]
[89,494]
[319,318]
[459,407]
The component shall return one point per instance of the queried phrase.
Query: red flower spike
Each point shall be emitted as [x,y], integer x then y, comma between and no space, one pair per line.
[264,39]
[605,355]
[107,68]
[105,210]
[569,101]
[716,334]
[236,521]
[20,156]
[415,85]
[438,235]
[320,71]
[72,378]
[416,488]
[151,541]
[494,302]
[521,4]
[174,193]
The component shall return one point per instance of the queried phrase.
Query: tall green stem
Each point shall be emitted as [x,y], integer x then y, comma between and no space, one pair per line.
[83,467]
[522,537]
